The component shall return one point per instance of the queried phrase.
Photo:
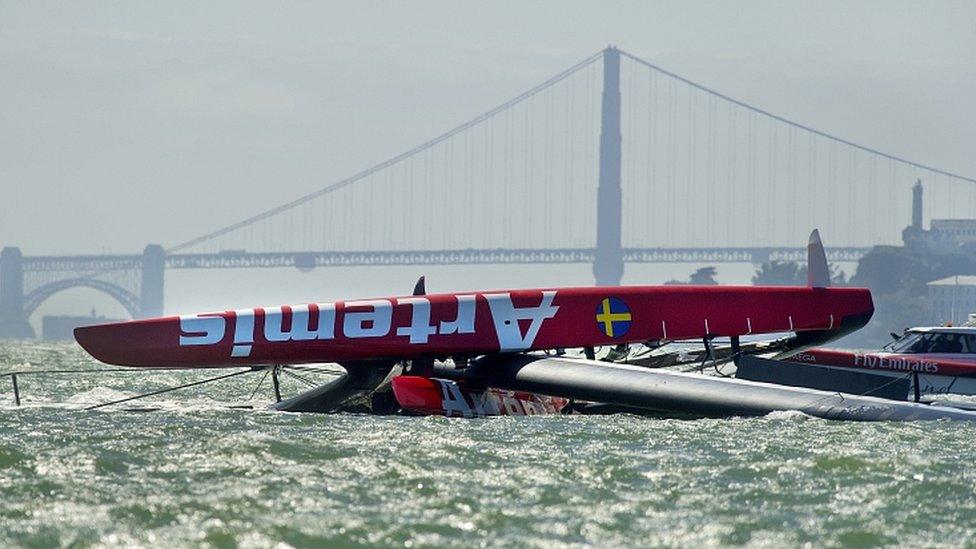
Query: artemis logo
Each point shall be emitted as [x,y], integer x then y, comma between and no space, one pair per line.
[506,317]
[368,319]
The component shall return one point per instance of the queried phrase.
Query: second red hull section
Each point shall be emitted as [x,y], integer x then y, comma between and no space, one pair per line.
[431,396]
[887,362]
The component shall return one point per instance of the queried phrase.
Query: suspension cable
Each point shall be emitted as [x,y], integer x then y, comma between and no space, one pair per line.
[392,161]
[791,122]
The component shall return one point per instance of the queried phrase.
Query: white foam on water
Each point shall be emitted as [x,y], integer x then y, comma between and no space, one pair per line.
[96,395]
[789,415]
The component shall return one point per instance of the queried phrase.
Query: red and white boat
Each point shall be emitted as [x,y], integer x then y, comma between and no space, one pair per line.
[943,358]
[433,396]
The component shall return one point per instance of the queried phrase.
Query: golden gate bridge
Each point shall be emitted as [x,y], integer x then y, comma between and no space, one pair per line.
[614,160]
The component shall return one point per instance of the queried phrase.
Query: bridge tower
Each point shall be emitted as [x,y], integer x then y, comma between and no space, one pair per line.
[608,263]
[13,319]
[917,205]
[151,289]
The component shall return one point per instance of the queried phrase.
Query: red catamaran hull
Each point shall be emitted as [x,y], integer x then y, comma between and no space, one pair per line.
[467,324]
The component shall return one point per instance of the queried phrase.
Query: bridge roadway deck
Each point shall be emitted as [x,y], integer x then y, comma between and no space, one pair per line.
[310,260]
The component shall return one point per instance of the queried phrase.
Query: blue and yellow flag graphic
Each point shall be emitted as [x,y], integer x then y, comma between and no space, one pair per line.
[613,317]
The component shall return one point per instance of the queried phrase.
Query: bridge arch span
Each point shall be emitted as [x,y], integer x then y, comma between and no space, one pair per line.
[39,295]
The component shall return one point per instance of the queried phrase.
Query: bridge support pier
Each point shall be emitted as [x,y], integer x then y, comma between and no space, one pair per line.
[759,256]
[608,263]
[13,319]
[151,289]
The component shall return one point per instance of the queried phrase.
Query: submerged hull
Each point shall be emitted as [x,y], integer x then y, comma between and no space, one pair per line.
[434,396]
[667,393]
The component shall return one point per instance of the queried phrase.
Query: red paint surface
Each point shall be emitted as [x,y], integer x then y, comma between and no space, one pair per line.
[426,396]
[888,362]
[658,312]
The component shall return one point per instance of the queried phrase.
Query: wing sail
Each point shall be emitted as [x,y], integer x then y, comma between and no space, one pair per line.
[818,273]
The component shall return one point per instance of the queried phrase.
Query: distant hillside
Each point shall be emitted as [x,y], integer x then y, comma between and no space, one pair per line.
[897,278]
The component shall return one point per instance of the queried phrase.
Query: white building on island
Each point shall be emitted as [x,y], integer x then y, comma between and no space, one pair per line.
[952,299]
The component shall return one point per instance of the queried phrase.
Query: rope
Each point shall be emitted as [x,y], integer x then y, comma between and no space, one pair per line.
[319,370]
[260,383]
[841,395]
[97,370]
[300,378]
[169,389]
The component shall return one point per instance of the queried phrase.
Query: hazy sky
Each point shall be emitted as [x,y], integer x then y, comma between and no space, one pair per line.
[127,123]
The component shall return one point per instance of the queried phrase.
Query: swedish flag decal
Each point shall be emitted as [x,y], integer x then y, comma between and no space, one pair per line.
[613,317]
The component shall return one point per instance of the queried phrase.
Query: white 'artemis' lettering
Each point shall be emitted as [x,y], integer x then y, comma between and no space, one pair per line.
[300,323]
[464,323]
[243,332]
[202,330]
[380,317]
[419,329]
[506,316]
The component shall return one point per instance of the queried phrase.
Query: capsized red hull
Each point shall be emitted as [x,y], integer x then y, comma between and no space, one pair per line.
[887,362]
[432,396]
[472,323]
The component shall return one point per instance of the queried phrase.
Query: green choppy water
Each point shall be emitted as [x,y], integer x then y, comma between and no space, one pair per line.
[198,473]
